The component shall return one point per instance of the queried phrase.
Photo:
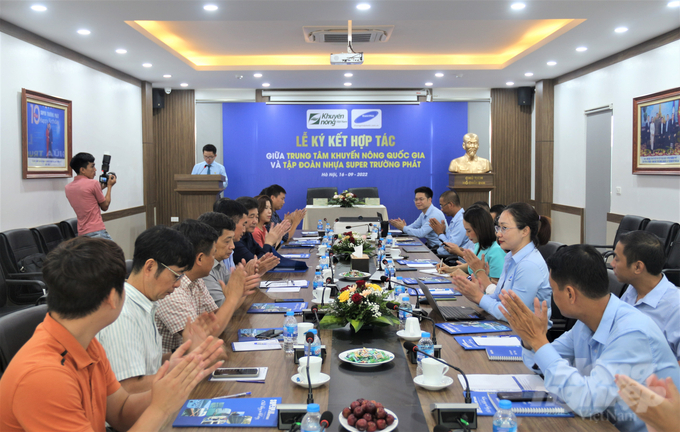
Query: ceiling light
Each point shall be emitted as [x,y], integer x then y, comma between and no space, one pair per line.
[581,49]
[509,83]
[257,75]
[147,65]
[265,84]
[439,74]
[551,63]
[167,76]
[184,85]
[39,8]
[121,51]
[210,8]
[83,32]
[518,6]
[348,84]
[529,74]
[428,84]
[363,6]
[621,29]
[349,75]
[674,4]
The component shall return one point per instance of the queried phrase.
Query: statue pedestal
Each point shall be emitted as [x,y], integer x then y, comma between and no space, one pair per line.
[471,187]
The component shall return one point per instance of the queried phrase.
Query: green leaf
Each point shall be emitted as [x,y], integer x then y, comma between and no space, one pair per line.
[332,322]
[356,324]
[385,320]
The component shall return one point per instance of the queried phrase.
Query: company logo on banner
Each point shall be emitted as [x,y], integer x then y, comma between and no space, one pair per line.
[327,119]
[366,119]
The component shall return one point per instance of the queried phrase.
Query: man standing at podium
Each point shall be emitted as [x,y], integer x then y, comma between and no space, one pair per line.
[209,166]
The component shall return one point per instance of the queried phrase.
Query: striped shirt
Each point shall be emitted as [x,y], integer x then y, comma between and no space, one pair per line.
[132,342]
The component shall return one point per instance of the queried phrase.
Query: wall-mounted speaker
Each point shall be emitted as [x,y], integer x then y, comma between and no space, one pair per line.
[158,98]
[525,95]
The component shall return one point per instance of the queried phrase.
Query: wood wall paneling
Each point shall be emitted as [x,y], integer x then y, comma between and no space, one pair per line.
[118,214]
[545,141]
[510,147]
[149,154]
[174,141]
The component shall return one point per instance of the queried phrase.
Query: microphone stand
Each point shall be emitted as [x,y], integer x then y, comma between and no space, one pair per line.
[410,346]
[423,313]
[310,394]
[395,306]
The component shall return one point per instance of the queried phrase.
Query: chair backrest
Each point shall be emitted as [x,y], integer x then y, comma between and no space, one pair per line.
[323,192]
[16,245]
[128,268]
[365,192]
[16,329]
[48,237]
[69,228]
[672,267]
[548,249]
[630,223]
[665,230]
[615,287]
[561,324]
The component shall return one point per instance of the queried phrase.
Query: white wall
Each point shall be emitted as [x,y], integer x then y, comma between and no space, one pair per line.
[107,116]
[654,196]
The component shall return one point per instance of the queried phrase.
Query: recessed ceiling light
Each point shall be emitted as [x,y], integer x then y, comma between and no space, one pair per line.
[210,8]
[147,65]
[257,75]
[518,6]
[363,6]
[674,4]
[83,32]
[551,63]
[39,8]
[621,29]
[439,74]
[265,84]
[121,51]
[428,84]
[529,74]
[349,74]
[509,83]
[167,76]
[348,84]
[581,49]
[184,85]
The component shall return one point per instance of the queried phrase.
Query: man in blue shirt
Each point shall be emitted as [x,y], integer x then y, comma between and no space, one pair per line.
[610,337]
[638,260]
[421,227]
[454,233]
[210,167]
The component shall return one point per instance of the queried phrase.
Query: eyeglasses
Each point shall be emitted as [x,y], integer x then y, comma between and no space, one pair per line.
[209,157]
[420,199]
[503,229]
[173,272]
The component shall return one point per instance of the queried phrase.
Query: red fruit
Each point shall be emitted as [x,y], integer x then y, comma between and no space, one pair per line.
[354,405]
[370,407]
[361,424]
[381,413]
[346,412]
[368,417]
[360,400]
[359,412]
[382,424]
[351,420]
[390,419]
[373,402]
[379,405]
[372,427]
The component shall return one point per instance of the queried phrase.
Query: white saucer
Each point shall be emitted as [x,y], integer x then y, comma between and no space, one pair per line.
[446,381]
[401,334]
[397,257]
[323,379]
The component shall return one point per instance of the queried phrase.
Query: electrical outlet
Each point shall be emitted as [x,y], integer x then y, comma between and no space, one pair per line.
[618,190]
[448,414]
[174,219]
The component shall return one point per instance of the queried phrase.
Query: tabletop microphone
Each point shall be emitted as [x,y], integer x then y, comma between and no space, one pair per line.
[384,279]
[326,420]
[422,312]
[309,339]
[419,314]
[315,309]
[368,226]
[410,346]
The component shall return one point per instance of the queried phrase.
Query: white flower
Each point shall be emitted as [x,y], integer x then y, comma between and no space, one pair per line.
[336,196]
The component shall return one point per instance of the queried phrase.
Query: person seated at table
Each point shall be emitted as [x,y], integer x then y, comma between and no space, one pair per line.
[454,232]
[191,298]
[638,260]
[657,404]
[482,204]
[480,230]
[496,211]
[61,380]
[132,342]
[610,337]
[247,248]
[421,227]
[278,196]
[519,232]
[264,211]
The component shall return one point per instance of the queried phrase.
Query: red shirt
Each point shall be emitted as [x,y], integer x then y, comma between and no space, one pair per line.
[54,384]
[85,195]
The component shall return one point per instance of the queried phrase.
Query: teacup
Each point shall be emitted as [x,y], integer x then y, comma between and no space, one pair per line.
[323,249]
[319,292]
[433,371]
[412,326]
[314,369]
[303,328]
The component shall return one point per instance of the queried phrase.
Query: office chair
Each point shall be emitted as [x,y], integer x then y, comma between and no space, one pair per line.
[322,192]
[48,237]
[16,329]
[69,228]
[365,192]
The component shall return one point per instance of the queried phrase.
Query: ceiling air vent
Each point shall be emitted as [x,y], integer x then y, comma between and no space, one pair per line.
[339,34]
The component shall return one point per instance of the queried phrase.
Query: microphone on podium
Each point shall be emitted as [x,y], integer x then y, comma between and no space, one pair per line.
[410,346]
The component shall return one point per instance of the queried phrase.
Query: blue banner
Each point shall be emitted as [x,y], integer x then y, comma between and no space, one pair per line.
[395,148]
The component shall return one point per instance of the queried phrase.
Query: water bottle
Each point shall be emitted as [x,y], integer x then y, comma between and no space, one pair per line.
[323,261]
[504,420]
[317,284]
[316,345]
[424,344]
[319,226]
[374,233]
[389,241]
[380,255]
[390,269]
[289,332]
[329,230]
[405,303]
[311,420]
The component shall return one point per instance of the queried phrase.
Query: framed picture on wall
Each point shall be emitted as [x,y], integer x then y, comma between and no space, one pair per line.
[46,135]
[656,133]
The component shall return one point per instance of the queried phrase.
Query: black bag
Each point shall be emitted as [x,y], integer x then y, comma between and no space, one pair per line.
[32,263]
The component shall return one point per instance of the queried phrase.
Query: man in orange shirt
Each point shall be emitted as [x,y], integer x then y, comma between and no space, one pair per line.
[62,371]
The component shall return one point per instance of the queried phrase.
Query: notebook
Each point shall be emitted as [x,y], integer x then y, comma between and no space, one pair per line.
[428,280]
[504,353]
[418,263]
[301,283]
[470,342]
[250,334]
[241,412]
[488,405]
[277,307]
[416,249]
[293,256]
[472,327]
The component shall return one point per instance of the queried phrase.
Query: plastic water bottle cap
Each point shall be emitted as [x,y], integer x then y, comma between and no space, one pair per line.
[313,331]
[318,273]
[425,334]
[313,408]
[505,404]
[406,298]
[289,313]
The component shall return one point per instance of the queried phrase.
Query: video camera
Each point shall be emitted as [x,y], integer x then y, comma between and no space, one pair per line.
[104,178]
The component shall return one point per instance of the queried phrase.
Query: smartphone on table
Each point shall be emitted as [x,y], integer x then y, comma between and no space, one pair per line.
[236,372]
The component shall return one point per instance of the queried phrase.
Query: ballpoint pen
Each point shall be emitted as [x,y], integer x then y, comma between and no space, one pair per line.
[233,396]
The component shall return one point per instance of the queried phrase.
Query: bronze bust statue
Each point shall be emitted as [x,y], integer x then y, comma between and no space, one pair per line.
[470,163]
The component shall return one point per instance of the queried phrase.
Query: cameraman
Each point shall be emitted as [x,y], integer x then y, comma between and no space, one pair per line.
[85,195]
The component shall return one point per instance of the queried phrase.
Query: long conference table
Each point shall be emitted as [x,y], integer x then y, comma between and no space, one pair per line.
[390,384]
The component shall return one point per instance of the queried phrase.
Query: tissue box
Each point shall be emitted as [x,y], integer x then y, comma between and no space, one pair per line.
[360,264]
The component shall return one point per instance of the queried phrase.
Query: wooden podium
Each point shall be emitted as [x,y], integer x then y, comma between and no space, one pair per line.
[471,187]
[197,194]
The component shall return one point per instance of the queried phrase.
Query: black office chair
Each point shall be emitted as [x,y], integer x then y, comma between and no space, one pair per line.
[16,329]
[48,237]
[548,249]
[322,192]
[615,287]
[672,266]
[17,247]
[365,192]
[128,268]
[665,230]
[69,228]
[561,324]
[20,292]
[628,223]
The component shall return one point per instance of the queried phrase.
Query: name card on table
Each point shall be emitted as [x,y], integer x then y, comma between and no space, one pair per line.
[320,201]
[372,201]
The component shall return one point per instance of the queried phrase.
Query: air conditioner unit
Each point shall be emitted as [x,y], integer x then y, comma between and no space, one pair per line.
[316,34]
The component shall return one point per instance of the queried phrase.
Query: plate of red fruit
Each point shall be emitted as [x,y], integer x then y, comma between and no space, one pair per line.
[368,415]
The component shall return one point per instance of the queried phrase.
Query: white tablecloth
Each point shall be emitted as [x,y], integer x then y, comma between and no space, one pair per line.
[314,213]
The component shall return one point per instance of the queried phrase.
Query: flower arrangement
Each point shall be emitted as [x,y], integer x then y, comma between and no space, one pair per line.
[345,199]
[345,244]
[360,304]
